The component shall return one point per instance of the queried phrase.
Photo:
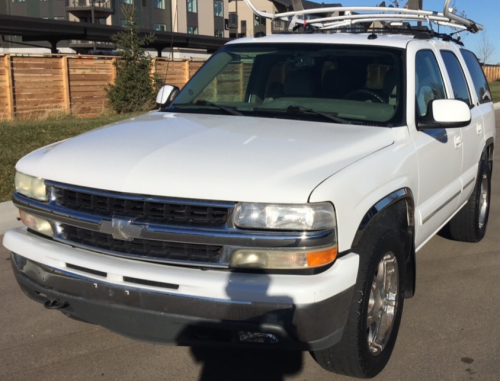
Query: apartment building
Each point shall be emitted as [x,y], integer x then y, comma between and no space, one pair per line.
[243,22]
[203,17]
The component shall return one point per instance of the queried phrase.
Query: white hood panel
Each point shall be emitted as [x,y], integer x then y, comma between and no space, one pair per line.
[211,157]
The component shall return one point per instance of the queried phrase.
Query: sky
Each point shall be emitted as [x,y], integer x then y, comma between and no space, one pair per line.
[485,12]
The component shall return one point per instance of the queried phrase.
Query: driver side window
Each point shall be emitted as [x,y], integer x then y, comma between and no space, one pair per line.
[429,81]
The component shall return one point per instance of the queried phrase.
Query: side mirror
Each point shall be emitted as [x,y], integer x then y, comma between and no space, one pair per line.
[166,95]
[445,113]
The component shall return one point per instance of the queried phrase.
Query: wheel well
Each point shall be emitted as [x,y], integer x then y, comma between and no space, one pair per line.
[395,211]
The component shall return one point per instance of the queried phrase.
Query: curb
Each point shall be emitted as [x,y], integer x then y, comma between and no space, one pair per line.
[8,217]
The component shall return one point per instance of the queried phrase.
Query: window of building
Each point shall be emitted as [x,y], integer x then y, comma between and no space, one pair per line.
[192,29]
[144,3]
[126,1]
[192,6]
[159,4]
[160,27]
[18,1]
[233,20]
[429,81]
[219,9]
[258,20]
[123,23]
[457,77]
[219,33]
[243,29]
[43,0]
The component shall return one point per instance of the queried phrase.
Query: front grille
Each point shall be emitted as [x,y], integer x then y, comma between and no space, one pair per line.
[143,248]
[161,212]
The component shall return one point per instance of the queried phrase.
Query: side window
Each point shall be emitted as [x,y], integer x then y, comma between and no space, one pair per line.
[429,82]
[457,77]
[480,82]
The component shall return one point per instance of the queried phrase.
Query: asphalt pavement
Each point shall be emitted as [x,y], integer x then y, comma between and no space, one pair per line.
[450,330]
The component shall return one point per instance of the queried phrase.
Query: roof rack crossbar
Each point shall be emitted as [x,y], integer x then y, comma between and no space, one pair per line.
[352,15]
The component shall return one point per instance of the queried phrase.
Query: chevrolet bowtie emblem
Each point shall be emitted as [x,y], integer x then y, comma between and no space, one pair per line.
[121,228]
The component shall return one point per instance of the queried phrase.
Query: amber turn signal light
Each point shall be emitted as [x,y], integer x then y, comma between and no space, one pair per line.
[319,258]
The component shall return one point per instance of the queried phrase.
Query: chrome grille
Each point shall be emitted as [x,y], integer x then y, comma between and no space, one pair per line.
[142,248]
[141,209]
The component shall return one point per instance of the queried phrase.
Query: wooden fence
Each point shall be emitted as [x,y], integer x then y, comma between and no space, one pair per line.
[492,73]
[33,86]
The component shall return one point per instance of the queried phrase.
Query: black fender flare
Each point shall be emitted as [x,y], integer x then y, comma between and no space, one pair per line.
[370,218]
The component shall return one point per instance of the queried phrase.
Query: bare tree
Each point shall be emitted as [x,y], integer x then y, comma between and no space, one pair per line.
[484,48]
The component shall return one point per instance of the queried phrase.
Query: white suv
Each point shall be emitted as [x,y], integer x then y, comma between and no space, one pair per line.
[278,201]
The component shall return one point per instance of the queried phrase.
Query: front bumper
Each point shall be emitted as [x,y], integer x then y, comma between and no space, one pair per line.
[186,306]
[179,320]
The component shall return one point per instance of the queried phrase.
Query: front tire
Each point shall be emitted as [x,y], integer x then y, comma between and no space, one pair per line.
[376,309]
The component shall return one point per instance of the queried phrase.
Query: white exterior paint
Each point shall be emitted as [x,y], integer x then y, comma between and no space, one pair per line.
[205,157]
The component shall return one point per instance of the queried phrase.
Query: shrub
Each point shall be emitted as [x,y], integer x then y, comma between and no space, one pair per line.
[134,88]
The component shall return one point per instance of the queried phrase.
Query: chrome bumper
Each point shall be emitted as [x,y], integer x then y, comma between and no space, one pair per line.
[183,320]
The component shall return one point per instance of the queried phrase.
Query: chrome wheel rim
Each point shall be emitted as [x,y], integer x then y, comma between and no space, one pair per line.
[483,201]
[383,303]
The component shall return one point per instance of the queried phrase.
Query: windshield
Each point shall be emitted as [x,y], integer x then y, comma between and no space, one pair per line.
[328,83]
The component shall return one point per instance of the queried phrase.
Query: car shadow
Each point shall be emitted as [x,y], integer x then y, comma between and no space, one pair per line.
[260,361]
[246,364]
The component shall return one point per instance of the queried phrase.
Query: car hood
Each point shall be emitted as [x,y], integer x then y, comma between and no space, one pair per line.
[211,157]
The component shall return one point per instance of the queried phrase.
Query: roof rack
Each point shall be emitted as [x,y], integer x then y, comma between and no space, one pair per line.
[331,18]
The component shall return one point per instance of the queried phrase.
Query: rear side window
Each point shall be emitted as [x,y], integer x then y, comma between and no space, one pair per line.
[457,77]
[429,81]
[480,83]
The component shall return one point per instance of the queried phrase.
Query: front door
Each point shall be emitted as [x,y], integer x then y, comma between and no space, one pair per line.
[439,151]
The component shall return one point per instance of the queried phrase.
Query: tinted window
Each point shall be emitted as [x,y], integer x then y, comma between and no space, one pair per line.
[457,77]
[480,83]
[429,82]
[360,84]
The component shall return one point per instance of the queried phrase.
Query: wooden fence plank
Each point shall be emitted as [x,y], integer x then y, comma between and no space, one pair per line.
[66,89]
[10,88]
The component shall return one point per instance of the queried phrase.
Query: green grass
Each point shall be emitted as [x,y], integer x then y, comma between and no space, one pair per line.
[17,138]
[495,91]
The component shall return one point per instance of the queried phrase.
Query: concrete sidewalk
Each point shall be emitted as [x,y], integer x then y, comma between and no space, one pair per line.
[8,217]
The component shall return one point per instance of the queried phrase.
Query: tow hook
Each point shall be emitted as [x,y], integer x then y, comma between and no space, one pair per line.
[55,304]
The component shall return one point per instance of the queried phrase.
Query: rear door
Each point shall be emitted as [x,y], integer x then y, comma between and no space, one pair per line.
[472,135]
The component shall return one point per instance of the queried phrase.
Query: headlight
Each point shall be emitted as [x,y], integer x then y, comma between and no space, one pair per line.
[32,187]
[318,216]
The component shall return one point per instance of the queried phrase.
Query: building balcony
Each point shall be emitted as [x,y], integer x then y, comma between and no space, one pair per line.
[85,6]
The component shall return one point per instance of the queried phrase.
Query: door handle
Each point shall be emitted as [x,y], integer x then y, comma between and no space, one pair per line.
[479,129]
[458,141]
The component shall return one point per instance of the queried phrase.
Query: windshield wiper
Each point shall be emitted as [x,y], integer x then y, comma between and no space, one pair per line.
[301,110]
[203,102]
